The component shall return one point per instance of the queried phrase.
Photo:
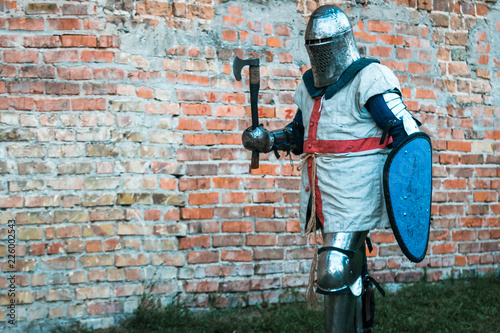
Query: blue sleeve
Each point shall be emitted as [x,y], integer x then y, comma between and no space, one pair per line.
[298,118]
[297,127]
[385,119]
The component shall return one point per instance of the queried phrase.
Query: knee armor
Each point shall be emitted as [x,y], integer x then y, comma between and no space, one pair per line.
[340,263]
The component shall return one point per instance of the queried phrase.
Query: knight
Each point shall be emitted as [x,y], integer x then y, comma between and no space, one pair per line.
[350,115]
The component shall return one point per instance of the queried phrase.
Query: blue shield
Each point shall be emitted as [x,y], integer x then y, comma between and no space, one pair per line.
[408,194]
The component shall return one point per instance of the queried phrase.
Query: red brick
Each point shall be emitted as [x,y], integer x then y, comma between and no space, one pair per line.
[379,237]
[483,59]
[201,286]
[451,210]
[234,98]
[93,246]
[42,41]
[56,88]
[197,213]
[8,5]
[381,51]
[267,197]
[25,87]
[162,108]
[52,105]
[190,184]
[482,9]
[464,235]
[237,226]
[458,69]
[391,39]
[192,154]
[112,244]
[202,257]
[97,56]
[229,35]
[243,35]
[495,233]
[485,196]
[227,183]
[273,42]
[235,10]
[196,109]
[55,248]
[210,198]
[74,73]
[236,255]
[266,169]
[65,24]
[11,201]
[258,40]
[449,158]
[470,222]
[126,260]
[261,240]
[281,30]
[20,56]
[424,4]
[192,79]
[228,139]
[190,242]
[110,74]
[379,26]
[365,37]
[455,184]
[293,226]
[236,197]
[18,103]
[60,56]
[426,94]
[199,139]
[485,172]
[459,146]
[86,104]
[418,68]
[259,211]
[26,24]
[78,41]
[78,9]
[62,263]
[230,111]
[109,41]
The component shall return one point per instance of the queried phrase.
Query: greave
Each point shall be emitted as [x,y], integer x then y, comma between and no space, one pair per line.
[343,313]
[340,277]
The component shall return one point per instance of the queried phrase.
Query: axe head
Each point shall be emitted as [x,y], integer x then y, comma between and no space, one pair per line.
[238,65]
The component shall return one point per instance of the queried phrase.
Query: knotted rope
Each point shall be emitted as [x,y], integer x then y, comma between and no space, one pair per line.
[311,227]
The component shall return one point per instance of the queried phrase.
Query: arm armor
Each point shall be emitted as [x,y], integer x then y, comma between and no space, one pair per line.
[390,114]
[290,138]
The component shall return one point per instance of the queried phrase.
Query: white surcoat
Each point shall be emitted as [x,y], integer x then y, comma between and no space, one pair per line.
[349,188]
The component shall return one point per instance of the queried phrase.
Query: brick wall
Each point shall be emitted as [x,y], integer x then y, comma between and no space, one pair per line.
[121,156]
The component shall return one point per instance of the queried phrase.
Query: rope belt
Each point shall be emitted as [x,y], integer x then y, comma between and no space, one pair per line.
[311,225]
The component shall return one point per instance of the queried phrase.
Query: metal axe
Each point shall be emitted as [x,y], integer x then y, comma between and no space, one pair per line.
[238,65]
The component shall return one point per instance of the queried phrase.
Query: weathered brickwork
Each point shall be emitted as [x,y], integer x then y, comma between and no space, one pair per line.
[121,156]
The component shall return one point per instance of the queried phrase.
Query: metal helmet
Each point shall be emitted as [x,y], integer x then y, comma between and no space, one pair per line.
[330,44]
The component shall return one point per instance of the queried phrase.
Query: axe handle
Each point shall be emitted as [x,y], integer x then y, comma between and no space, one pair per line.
[254,94]
[255,160]
[254,99]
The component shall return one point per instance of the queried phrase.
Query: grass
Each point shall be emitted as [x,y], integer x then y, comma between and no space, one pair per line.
[466,305]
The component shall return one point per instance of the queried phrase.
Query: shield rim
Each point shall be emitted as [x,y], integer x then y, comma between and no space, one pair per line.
[388,202]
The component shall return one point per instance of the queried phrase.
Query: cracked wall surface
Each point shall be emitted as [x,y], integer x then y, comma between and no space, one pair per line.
[122,164]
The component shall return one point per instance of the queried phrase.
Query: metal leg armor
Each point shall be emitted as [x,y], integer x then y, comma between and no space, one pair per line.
[340,279]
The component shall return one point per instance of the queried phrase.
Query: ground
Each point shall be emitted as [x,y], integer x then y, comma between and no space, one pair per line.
[465,305]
